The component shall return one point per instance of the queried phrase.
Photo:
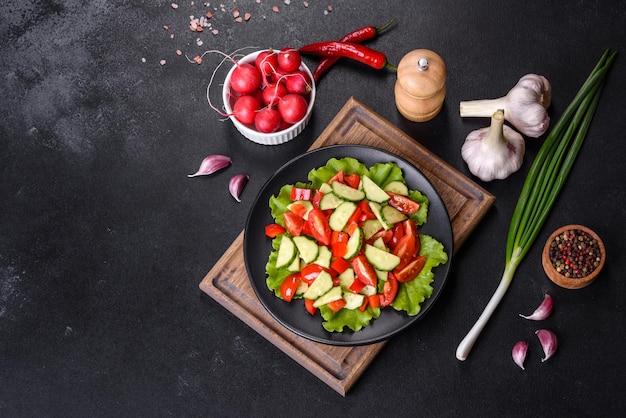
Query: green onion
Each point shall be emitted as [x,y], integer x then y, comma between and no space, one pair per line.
[544,180]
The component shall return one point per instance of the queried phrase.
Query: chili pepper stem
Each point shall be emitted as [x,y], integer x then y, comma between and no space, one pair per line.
[386,25]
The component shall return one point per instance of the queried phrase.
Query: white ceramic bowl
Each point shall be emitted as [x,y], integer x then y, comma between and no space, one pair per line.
[249,131]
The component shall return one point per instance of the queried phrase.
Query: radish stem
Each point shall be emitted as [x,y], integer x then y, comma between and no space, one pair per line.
[543,183]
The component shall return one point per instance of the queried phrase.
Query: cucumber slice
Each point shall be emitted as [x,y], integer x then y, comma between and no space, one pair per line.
[330,201]
[322,284]
[346,192]
[295,265]
[382,275]
[324,257]
[354,243]
[397,187]
[371,227]
[381,259]
[302,288]
[306,203]
[286,252]
[391,215]
[339,218]
[353,300]
[376,209]
[373,192]
[346,278]
[380,243]
[368,290]
[332,295]
[307,247]
[326,188]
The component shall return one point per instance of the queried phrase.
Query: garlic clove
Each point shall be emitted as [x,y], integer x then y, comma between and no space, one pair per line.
[543,311]
[548,341]
[494,152]
[236,185]
[211,164]
[519,353]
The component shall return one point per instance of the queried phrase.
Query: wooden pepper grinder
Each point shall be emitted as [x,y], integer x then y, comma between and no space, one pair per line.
[421,85]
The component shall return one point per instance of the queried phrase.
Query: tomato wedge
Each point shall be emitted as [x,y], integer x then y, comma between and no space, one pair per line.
[397,232]
[366,211]
[274,230]
[289,285]
[386,235]
[365,303]
[356,217]
[298,209]
[390,290]
[352,180]
[340,265]
[337,177]
[336,305]
[403,203]
[411,270]
[339,243]
[405,249]
[411,228]
[293,223]
[316,199]
[310,272]
[374,301]
[357,286]
[364,270]
[308,305]
[319,226]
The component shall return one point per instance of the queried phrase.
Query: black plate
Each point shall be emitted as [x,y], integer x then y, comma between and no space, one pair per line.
[257,247]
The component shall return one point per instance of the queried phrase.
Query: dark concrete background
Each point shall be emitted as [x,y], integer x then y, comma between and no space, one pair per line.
[104,240]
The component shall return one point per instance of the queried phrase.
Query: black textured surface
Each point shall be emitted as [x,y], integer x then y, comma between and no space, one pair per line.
[104,239]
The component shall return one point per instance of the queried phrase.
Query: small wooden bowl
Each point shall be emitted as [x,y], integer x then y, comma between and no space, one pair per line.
[562,280]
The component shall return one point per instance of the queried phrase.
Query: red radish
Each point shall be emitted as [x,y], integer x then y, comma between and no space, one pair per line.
[298,82]
[272,93]
[279,76]
[283,125]
[292,108]
[245,78]
[289,59]
[266,62]
[267,120]
[245,109]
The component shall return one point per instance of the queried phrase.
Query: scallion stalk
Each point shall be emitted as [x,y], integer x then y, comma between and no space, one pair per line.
[543,183]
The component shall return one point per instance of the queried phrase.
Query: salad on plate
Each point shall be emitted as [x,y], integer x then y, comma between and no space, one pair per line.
[348,244]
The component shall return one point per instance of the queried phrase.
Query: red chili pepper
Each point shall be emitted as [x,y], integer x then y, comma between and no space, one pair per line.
[357,36]
[357,52]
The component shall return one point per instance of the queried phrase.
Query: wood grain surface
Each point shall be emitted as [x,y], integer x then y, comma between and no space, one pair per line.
[340,367]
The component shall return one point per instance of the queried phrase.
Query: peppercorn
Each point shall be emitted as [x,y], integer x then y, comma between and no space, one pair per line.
[575,253]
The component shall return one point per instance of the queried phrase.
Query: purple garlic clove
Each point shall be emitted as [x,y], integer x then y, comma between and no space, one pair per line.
[211,164]
[236,185]
[519,353]
[543,311]
[548,342]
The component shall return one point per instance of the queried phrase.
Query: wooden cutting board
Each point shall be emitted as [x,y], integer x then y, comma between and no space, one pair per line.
[340,367]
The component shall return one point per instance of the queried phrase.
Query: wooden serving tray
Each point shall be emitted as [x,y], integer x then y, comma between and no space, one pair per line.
[340,366]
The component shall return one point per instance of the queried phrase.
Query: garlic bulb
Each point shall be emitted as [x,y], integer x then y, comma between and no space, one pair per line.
[525,105]
[494,152]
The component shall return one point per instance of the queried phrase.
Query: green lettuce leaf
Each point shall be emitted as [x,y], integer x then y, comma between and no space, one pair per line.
[351,318]
[278,203]
[333,166]
[275,276]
